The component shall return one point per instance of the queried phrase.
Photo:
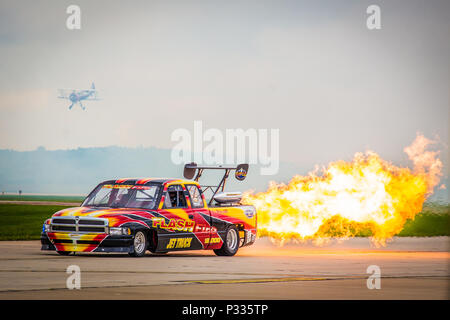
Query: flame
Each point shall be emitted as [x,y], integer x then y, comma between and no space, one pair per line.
[367,196]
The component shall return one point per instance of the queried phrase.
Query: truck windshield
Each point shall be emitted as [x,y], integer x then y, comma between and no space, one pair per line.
[123,196]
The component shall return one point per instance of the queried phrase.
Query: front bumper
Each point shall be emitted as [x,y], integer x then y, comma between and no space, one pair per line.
[86,242]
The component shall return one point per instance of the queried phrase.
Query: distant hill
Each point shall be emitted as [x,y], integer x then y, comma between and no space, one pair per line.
[78,171]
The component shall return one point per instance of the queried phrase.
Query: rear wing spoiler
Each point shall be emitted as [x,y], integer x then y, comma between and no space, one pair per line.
[193,171]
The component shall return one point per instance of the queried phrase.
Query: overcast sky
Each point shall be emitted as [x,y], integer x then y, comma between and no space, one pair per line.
[310,68]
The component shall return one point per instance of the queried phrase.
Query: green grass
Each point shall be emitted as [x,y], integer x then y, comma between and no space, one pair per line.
[51,198]
[434,220]
[24,222]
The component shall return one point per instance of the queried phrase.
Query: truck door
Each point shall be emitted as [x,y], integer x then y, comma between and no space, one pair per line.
[200,213]
[182,227]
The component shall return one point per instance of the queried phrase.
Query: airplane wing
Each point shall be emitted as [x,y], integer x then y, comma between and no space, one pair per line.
[64,93]
[93,95]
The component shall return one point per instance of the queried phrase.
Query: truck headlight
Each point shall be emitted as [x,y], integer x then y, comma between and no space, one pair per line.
[119,231]
[45,227]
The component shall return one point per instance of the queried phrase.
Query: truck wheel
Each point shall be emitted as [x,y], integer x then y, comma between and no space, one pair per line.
[231,243]
[139,244]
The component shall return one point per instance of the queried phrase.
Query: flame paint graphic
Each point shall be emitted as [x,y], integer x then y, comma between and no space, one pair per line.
[367,196]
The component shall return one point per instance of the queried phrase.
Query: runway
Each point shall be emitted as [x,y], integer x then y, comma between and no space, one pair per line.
[411,268]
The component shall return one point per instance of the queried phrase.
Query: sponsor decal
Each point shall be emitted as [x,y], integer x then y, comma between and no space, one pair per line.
[179,243]
[240,174]
[212,240]
[249,213]
[205,229]
[140,188]
[174,224]
[124,186]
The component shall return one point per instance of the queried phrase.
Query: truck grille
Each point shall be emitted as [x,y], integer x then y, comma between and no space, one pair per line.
[79,225]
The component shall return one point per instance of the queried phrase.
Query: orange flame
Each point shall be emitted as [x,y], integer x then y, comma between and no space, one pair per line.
[367,196]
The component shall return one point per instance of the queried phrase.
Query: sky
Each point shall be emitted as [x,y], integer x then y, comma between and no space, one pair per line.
[311,69]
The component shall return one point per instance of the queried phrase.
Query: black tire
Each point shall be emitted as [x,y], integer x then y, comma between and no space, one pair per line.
[140,244]
[65,253]
[230,244]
